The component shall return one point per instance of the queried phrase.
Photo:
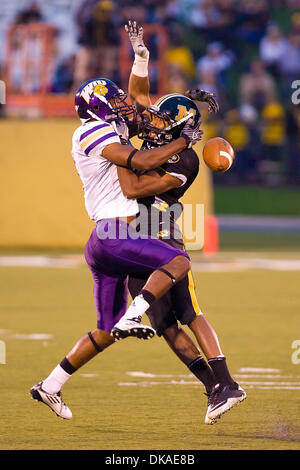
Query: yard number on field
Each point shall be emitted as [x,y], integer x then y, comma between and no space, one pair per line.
[296,94]
[2,353]
[296,354]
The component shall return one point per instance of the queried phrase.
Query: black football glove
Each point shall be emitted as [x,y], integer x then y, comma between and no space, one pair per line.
[196,94]
[192,135]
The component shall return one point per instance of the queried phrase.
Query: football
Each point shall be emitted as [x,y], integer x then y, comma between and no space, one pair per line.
[218,154]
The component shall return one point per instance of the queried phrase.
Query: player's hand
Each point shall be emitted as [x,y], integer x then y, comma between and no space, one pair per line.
[196,94]
[192,135]
[135,33]
[123,132]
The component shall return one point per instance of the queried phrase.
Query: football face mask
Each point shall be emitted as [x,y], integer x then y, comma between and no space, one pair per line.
[121,108]
[153,126]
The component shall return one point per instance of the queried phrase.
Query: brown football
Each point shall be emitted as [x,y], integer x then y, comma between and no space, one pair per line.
[218,154]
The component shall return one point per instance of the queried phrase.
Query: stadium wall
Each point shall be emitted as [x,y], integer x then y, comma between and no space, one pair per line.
[42,202]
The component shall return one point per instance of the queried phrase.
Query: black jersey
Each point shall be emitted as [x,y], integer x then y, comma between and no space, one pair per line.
[158,214]
[185,167]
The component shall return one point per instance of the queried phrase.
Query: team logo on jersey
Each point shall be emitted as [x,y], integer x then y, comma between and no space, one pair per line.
[174,159]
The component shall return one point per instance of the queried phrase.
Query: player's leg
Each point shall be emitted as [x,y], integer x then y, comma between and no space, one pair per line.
[88,346]
[126,252]
[188,312]
[227,393]
[187,351]
[163,321]
[111,296]
[158,283]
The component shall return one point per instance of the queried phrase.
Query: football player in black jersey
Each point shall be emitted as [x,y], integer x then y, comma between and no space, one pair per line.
[158,193]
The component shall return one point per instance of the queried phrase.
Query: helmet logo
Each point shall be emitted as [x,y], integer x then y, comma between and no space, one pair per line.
[100,89]
[183,111]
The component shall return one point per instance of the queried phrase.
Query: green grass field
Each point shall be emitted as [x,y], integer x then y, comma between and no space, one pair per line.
[256,200]
[256,314]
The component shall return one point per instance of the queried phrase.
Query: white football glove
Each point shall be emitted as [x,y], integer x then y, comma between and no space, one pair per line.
[135,33]
[122,131]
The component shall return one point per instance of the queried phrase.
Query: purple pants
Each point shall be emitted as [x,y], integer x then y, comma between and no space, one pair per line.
[114,251]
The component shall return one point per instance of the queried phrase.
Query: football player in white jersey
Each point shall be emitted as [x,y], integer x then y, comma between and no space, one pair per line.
[115,250]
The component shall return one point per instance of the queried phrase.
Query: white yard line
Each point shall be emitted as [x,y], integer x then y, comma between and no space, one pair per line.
[268,383]
[89,376]
[150,375]
[248,384]
[254,385]
[170,382]
[232,265]
[33,336]
[272,388]
[40,261]
[9,334]
[257,369]
[246,264]
[265,376]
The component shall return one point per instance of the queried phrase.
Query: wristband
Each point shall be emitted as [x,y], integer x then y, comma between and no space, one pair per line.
[140,66]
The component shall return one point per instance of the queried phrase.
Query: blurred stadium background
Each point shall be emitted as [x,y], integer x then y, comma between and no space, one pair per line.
[248,53]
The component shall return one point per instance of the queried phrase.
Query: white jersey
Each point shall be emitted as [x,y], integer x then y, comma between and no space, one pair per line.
[102,191]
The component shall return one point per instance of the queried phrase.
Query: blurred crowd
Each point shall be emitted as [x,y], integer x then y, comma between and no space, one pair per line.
[247,52]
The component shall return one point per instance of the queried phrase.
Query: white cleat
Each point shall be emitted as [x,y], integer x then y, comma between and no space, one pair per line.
[222,399]
[133,327]
[54,401]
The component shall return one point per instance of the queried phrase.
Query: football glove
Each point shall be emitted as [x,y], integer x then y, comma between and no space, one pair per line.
[123,132]
[196,94]
[192,135]
[135,33]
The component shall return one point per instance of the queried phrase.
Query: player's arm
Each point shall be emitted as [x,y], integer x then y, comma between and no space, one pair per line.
[138,87]
[127,156]
[150,184]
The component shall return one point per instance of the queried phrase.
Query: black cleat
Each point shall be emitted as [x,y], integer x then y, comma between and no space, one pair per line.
[222,399]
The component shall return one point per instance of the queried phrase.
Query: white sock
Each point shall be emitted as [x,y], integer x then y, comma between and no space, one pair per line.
[54,382]
[137,308]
